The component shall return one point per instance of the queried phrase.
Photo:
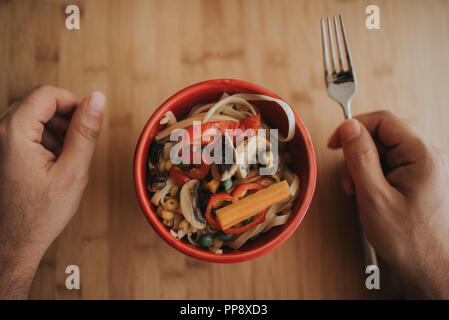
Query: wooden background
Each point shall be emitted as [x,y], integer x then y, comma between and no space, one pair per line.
[141,52]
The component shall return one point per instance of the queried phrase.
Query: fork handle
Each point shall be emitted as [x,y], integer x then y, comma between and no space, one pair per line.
[347,109]
[368,250]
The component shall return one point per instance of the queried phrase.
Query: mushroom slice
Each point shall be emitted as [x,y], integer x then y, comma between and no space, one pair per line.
[247,153]
[224,171]
[189,204]
[227,170]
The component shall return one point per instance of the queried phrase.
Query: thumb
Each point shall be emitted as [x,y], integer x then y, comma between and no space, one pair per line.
[82,133]
[362,158]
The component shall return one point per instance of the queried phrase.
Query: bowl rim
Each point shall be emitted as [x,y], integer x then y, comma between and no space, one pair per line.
[139,173]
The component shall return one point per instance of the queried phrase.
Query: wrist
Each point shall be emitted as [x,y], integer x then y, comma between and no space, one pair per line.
[18,264]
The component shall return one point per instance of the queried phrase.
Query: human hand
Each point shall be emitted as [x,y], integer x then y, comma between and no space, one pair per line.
[47,140]
[401,184]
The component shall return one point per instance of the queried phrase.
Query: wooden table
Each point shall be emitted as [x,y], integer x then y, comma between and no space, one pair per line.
[141,52]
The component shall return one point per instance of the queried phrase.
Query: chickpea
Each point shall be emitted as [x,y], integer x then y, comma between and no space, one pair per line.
[167,215]
[171,204]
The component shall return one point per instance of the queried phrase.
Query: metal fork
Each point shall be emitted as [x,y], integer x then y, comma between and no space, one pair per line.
[341,86]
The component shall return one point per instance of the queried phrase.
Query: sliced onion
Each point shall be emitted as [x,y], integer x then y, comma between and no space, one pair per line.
[293,181]
[228,110]
[173,233]
[229,100]
[193,242]
[169,119]
[242,238]
[200,108]
[189,122]
[158,197]
[216,250]
[277,221]
[181,233]
[287,109]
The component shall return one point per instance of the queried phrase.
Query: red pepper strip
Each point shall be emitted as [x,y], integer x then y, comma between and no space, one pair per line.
[237,193]
[213,201]
[178,176]
[181,176]
[252,122]
[235,230]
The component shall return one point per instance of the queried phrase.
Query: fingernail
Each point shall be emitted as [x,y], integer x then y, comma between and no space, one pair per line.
[349,130]
[96,103]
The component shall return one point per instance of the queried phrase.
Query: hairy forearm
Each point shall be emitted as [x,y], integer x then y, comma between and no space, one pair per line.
[428,276]
[17,269]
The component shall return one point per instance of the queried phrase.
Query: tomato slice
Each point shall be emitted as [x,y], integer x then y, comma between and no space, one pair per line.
[252,122]
[181,176]
[220,126]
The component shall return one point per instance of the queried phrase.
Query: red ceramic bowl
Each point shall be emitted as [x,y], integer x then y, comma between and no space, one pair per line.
[300,147]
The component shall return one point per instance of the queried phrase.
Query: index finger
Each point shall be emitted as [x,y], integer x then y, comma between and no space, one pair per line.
[43,102]
[388,129]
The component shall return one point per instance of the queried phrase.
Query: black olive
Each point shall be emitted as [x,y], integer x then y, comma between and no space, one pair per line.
[224,167]
[203,199]
[155,152]
[158,181]
[226,147]
[196,203]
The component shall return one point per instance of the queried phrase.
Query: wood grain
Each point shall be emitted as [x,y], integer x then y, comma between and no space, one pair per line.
[141,52]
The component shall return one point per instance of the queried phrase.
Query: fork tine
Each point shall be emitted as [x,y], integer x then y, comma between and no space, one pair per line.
[325,48]
[345,39]
[331,40]
[340,48]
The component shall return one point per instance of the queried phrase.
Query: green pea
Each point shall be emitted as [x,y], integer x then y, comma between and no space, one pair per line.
[206,241]
[227,184]
[224,236]
[245,222]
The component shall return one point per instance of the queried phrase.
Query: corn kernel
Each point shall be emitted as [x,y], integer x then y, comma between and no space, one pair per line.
[217,243]
[213,185]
